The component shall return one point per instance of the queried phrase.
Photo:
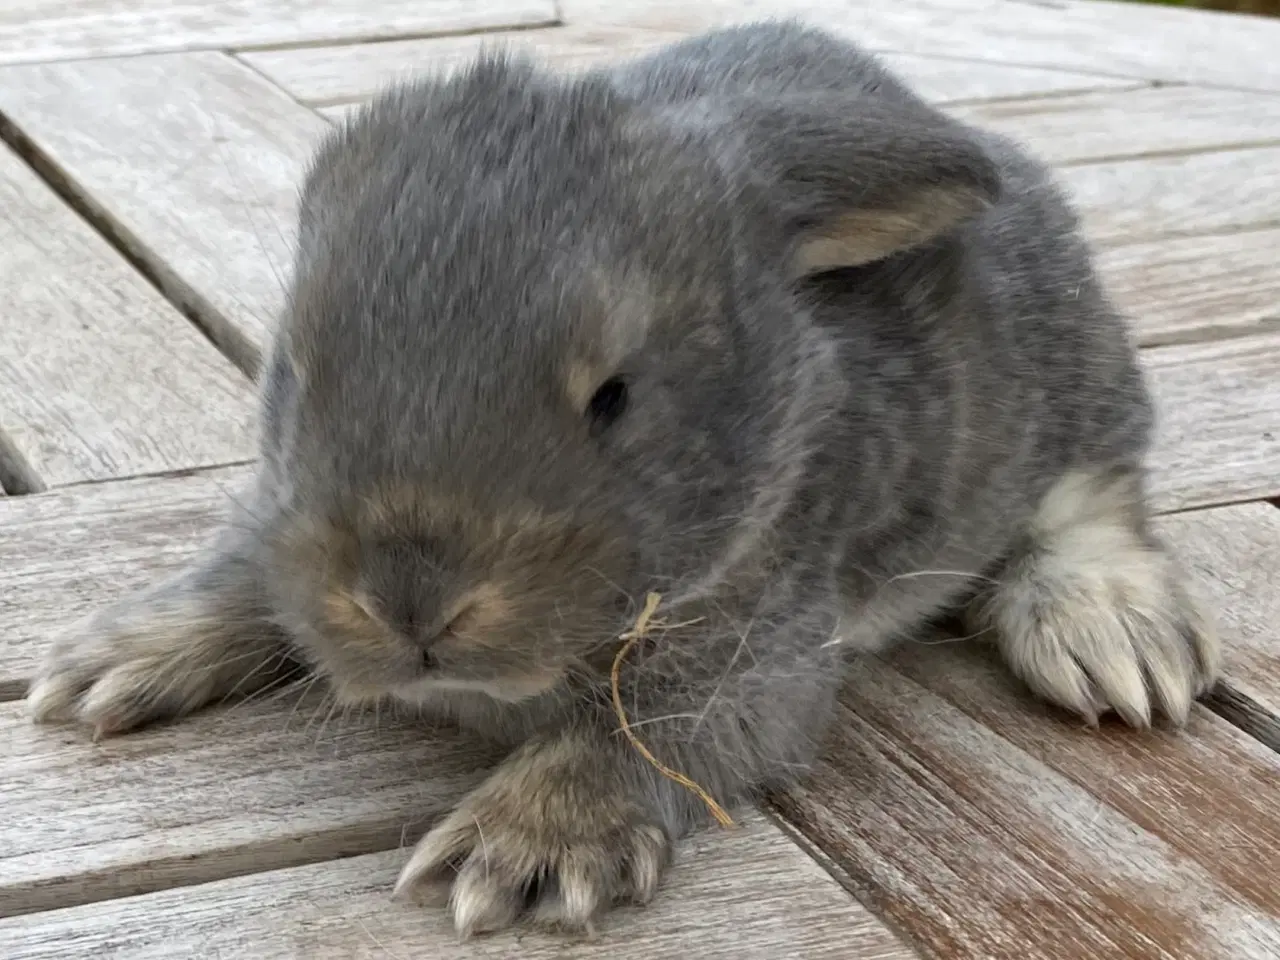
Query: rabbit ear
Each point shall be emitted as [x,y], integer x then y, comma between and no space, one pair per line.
[857,178]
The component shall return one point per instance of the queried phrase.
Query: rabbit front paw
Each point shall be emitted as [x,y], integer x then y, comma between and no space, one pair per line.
[552,836]
[155,655]
[1095,615]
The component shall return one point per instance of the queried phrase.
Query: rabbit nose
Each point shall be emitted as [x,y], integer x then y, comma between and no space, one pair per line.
[425,641]
[426,635]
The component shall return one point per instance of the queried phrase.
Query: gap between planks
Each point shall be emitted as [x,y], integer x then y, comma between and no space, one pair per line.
[748,894]
[326,76]
[68,30]
[229,338]
[99,376]
[964,805]
[966,809]
[214,811]
[1116,39]
[219,239]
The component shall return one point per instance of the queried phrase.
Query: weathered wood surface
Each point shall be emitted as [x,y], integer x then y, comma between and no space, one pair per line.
[1218,431]
[1091,36]
[325,76]
[1177,197]
[43,30]
[965,807]
[1234,554]
[747,894]
[977,821]
[1108,125]
[983,826]
[1197,288]
[247,788]
[194,160]
[99,376]
[66,552]
[206,197]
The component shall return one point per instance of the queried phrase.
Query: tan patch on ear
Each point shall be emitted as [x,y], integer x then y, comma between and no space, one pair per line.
[864,236]
[581,381]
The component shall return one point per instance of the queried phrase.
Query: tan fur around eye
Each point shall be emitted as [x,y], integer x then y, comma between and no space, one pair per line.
[348,613]
[409,510]
[615,322]
[479,610]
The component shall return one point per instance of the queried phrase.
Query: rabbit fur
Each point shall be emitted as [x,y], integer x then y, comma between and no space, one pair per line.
[744,322]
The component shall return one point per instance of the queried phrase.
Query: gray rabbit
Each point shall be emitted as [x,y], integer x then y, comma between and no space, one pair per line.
[743,323]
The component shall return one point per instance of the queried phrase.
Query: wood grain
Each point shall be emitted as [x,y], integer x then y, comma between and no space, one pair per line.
[66,552]
[1092,36]
[748,894]
[193,161]
[1210,794]
[217,230]
[1078,124]
[1162,198]
[1218,432]
[43,30]
[986,828]
[99,376]
[1234,553]
[1093,127]
[1196,288]
[326,76]
[227,792]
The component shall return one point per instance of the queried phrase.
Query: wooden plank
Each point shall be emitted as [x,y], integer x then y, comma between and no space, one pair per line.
[65,552]
[949,80]
[193,160]
[1197,288]
[1235,554]
[1098,126]
[326,76]
[43,30]
[1091,36]
[99,376]
[1162,198]
[1218,437]
[1093,127]
[967,810]
[231,150]
[227,792]
[1185,242]
[747,894]
[1225,788]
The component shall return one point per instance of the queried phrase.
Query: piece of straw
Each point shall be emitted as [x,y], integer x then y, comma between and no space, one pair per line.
[637,632]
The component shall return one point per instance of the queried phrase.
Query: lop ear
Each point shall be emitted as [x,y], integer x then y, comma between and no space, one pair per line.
[854,179]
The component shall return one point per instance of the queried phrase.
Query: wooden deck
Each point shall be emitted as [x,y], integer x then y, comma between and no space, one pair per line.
[151,152]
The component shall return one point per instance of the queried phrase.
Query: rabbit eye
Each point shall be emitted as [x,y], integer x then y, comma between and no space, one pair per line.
[608,403]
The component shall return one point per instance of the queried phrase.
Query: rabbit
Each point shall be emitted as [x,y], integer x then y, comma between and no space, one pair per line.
[742,323]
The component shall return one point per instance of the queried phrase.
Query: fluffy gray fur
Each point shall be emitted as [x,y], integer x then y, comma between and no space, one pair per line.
[861,343]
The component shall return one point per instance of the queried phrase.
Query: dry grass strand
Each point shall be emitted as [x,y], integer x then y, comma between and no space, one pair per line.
[643,624]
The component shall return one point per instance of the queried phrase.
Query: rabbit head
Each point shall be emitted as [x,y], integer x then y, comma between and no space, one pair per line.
[545,351]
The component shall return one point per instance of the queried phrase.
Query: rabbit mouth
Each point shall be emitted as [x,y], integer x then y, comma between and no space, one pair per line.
[508,689]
